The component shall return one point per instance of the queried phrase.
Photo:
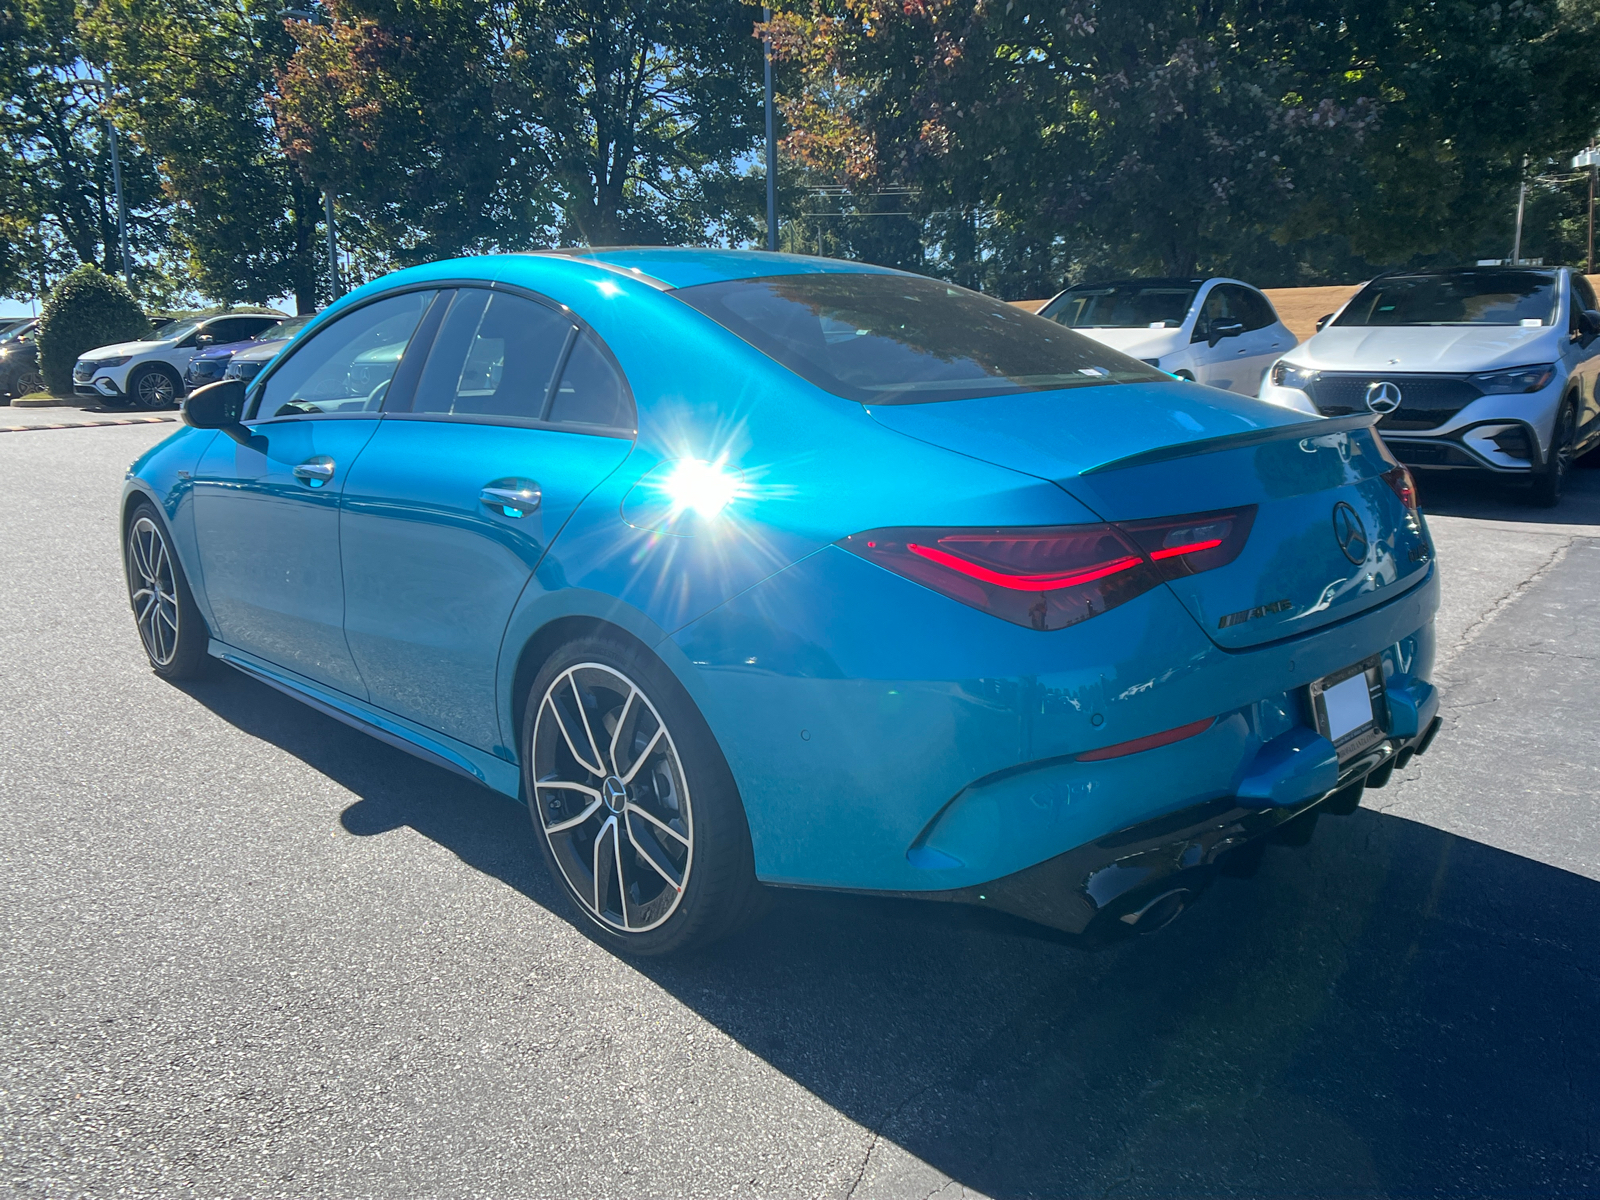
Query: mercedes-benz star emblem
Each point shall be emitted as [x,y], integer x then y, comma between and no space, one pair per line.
[1383,397]
[1350,533]
[615,793]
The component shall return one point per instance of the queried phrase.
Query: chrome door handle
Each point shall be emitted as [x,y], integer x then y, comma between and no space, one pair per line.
[315,471]
[511,497]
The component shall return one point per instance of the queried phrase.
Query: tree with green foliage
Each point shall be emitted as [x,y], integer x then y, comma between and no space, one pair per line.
[472,124]
[195,80]
[1184,135]
[58,182]
[87,309]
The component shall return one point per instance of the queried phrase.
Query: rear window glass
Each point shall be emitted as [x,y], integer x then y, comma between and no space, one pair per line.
[1121,306]
[1458,298]
[904,339]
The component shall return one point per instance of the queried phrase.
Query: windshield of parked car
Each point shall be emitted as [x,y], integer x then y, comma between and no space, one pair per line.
[1492,297]
[174,331]
[1121,306]
[904,339]
[283,330]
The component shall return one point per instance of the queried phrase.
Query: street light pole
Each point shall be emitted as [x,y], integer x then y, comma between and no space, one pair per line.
[122,207]
[1522,200]
[335,285]
[772,145]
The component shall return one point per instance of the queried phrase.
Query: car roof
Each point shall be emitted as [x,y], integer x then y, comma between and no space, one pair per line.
[1149,282]
[685,266]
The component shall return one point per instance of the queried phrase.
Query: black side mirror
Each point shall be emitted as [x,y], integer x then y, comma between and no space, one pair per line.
[1323,320]
[218,406]
[1588,325]
[1223,329]
[204,339]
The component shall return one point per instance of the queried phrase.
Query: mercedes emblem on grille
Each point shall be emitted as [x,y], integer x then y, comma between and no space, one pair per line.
[1383,397]
[1350,533]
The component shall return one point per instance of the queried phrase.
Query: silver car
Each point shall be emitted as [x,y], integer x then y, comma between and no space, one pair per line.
[1479,369]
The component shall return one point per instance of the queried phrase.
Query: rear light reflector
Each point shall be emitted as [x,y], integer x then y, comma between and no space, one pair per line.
[1123,749]
[1052,577]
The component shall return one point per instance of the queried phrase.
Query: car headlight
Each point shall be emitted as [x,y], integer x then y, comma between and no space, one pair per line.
[101,364]
[1516,379]
[1286,374]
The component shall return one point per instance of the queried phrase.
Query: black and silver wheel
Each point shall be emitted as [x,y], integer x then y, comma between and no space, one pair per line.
[634,805]
[173,634]
[31,380]
[1551,481]
[154,387]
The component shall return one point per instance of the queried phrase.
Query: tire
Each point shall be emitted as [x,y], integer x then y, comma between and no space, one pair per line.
[1550,482]
[29,381]
[657,819]
[154,386]
[170,627]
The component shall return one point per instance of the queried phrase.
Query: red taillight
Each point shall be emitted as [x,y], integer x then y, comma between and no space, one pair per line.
[1166,738]
[1400,481]
[1053,577]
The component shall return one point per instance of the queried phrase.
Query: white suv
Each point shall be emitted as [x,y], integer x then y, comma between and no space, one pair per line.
[1215,331]
[1481,369]
[149,373]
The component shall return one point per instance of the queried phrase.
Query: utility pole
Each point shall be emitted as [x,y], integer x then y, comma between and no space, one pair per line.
[1522,201]
[772,145]
[335,285]
[1589,158]
[122,207]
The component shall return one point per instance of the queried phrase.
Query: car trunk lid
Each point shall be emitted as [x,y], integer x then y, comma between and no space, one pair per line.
[1330,537]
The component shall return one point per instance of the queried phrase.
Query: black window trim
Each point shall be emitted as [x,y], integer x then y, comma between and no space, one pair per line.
[421,345]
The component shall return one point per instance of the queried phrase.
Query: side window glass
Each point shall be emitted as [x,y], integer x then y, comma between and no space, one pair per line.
[1582,293]
[347,366]
[494,356]
[1256,309]
[592,393]
[1216,308]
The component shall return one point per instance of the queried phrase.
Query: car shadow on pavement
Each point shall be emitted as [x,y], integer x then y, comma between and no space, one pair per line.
[1390,1010]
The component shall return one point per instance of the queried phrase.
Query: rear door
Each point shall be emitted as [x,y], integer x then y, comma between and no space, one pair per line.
[518,413]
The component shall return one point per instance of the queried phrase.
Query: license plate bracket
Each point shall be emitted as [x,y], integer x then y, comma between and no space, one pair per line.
[1353,716]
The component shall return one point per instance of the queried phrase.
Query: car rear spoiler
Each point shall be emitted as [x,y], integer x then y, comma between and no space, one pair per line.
[1311,427]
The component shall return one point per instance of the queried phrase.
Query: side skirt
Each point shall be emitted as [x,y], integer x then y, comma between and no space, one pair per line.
[427,745]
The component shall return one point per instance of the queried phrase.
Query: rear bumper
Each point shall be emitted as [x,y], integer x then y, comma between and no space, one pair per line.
[1118,876]
[939,749]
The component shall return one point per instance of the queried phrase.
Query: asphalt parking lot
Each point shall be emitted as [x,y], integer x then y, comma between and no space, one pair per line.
[248,951]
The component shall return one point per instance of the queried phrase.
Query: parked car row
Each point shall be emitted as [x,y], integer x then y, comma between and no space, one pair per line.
[1489,370]
[149,373]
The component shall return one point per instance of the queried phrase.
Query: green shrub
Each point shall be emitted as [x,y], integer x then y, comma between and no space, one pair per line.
[87,309]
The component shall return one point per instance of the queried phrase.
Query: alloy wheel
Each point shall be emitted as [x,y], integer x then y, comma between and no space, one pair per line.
[154,591]
[28,383]
[155,390]
[611,798]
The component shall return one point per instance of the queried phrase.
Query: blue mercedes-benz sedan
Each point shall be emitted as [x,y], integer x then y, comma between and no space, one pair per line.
[747,569]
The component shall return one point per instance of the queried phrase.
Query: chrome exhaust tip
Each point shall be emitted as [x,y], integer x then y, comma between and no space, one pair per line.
[1159,912]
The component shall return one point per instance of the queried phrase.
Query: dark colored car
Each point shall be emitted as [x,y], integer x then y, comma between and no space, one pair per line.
[248,360]
[19,361]
[212,363]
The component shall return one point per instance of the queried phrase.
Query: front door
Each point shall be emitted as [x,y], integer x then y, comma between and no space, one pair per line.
[267,514]
[1235,363]
[518,414]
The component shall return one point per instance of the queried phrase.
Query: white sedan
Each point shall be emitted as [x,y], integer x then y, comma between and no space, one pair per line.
[149,373]
[1215,331]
